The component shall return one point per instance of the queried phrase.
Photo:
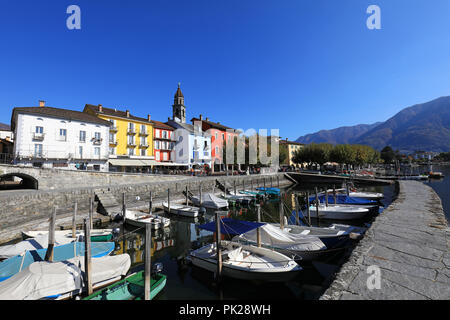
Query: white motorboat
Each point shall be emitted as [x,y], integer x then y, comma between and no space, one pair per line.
[181,210]
[96,234]
[358,194]
[246,262]
[210,201]
[141,219]
[298,246]
[338,212]
[63,279]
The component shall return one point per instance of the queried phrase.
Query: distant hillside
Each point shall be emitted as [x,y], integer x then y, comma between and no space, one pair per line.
[340,135]
[423,126]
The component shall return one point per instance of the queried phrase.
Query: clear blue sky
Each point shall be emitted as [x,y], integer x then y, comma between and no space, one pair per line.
[299,66]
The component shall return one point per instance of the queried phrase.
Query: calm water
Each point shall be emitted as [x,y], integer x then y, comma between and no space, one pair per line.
[442,188]
[185,281]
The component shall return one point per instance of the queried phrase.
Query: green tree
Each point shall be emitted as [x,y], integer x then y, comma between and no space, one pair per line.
[387,154]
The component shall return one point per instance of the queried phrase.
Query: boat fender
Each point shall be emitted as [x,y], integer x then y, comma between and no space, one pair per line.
[157,268]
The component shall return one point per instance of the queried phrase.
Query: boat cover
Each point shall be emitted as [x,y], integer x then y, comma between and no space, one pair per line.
[231,226]
[209,200]
[51,279]
[38,242]
[273,236]
[343,199]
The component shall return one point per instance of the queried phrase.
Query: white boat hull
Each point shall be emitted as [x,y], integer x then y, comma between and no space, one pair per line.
[337,212]
[139,219]
[181,210]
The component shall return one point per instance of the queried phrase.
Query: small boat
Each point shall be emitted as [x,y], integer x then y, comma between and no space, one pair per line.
[132,287]
[246,262]
[13,265]
[353,193]
[436,174]
[64,279]
[344,199]
[270,191]
[242,199]
[210,201]
[337,212]
[39,242]
[296,245]
[181,210]
[251,193]
[97,235]
[141,219]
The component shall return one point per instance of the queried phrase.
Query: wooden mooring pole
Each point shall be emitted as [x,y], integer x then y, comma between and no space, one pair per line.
[148,253]
[168,199]
[51,237]
[200,194]
[297,206]
[187,198]
[218,249]
[326,196]
[334,194]
[124,212]
[281,210]
[87,255]
[258,231]
[74,223]
[150,203]
[317,203]
[308,210]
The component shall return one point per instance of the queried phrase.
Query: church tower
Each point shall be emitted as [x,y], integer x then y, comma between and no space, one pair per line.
[179,109]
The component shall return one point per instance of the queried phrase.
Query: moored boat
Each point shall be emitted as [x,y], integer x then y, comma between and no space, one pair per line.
[141,219]
[337,212]
[96,234]
[181,210]
[210,201]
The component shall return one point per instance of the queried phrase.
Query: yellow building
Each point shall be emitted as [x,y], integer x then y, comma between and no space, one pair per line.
[130,139]
[291,147]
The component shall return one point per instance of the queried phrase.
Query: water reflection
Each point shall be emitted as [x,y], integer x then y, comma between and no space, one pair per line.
[172,245]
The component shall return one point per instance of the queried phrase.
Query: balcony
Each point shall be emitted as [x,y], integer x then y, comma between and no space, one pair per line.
[113,143]
[143,134]
[113,129]
[143,145]
[131,131]
[131,144]
[96,141]
[38,136]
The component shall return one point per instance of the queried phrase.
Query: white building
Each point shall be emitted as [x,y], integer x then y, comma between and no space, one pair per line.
[60,138]
[5,132]
[192,146]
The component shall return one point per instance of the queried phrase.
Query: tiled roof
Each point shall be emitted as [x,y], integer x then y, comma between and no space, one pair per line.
[5,127]
[58,113]
[161,125]
[114,113]
[291,142]
[213,124]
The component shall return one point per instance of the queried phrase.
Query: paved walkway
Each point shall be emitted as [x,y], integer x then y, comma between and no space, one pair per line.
[410,243]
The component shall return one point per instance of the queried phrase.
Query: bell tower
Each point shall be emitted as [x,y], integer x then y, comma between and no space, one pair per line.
[179,109]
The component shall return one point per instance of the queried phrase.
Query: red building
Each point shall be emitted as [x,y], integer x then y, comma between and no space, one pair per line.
[219,134]
[162,137]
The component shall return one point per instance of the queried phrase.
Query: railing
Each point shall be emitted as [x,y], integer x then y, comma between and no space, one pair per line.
[131,131]
[113,142]
[143,145]
[114,129]
[6,158]
[38,136]
[97,141]
[143,133]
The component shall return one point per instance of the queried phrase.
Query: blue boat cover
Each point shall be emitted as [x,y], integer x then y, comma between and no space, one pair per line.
[232,226]
[293,217]
[276,190]
[343,199]
[11,266]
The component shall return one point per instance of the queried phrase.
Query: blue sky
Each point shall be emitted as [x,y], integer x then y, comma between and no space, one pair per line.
[298,66]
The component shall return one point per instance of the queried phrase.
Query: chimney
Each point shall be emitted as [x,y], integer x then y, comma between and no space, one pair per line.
[148,118]
[201,117]
[41,103]
[286,139]
[168,118]
[128,113]
[207,119]
[100,108]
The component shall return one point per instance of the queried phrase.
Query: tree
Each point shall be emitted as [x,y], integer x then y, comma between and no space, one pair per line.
[387,154]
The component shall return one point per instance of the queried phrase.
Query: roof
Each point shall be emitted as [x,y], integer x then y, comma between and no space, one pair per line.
[58,113]
[114,113]
[291,142]
[5,127]
[178,93]
[161,125]
[216,125]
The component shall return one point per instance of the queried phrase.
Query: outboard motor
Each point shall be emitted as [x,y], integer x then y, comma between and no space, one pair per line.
[157,268]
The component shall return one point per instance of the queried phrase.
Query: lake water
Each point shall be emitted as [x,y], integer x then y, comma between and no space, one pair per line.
[442,188]
[187,282]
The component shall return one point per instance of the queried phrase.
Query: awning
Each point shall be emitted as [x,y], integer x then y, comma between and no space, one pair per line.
[171,164]
[231,226]
[132,162]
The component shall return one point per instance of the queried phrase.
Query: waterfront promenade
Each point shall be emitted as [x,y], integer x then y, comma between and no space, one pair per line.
[409,243]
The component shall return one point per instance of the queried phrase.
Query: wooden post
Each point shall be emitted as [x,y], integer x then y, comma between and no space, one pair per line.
[51,237]
[187,198]
[251,184]
[124,210]
[91,211]
[264,180]
[271,181]
[168,199]
[148,252]
[298,209]
[150,203]
[87,256]
[326,196]
[278,182]
[234,185]
[308,209]
[281,210]
[243,185]
[346,187]
[334,194]
[200,193]
[317,203]
[258,231]
[74,223]
[218,250]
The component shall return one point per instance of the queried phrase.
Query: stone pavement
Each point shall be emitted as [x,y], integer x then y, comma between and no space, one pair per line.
[410,243]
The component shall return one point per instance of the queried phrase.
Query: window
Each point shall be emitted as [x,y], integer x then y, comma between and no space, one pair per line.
[97,151]
[112,150]
[62,134]
[39,129]
[143,128]
[165,156]
[131,140]
[157,145]
[97,136]
[217,135]
[80,151]
[223,136]
[157,133]
[131,126]
[82,136]
[38,150]
[217,151]
[206,145]
[143,141]
[130,151]
[143,152]
[164,134]
[157,156]
[111,137]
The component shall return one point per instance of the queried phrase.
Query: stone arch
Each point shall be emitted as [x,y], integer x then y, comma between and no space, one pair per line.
[28,182]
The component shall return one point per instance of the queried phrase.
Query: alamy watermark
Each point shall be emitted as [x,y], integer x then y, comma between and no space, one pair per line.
[374,20]
[374,280]
[73,22]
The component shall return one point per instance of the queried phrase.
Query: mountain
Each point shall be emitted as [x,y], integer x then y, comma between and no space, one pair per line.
[423,126]
[340,135]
